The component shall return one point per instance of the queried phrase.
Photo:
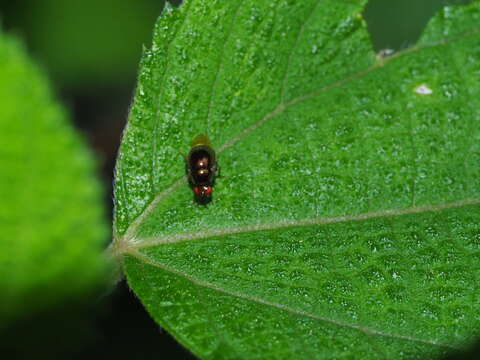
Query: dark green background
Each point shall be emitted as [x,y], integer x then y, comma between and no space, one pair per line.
[90,49]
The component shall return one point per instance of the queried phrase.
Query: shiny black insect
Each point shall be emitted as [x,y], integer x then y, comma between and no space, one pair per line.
[201,168]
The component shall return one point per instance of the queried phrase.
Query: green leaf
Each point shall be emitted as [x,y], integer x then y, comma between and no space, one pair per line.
[346,221]
[51,218]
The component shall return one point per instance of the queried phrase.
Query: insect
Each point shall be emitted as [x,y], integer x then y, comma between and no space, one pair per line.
[201,168]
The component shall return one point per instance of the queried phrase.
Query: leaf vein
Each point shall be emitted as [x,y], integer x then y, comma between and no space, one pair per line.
[132,229]
[414,160]
[379,64]
[294,47]
[220,63]
[142,243]
[201,283]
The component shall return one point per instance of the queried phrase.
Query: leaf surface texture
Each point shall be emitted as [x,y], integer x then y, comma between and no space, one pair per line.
[345,223]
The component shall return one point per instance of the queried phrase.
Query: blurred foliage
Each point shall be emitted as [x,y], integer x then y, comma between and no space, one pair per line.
[52,217]
[94,45]
[397,24]
[85,42]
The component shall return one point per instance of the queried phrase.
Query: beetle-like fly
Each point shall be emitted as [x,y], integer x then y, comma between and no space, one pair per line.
[201,168]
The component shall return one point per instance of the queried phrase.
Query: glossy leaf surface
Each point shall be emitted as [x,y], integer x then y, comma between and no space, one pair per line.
[346,220]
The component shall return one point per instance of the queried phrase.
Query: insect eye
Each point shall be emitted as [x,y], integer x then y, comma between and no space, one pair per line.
[208,190]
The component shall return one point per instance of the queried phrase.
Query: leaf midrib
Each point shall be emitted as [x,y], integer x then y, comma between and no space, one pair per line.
[135,244]
[198,282]
[121,244]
